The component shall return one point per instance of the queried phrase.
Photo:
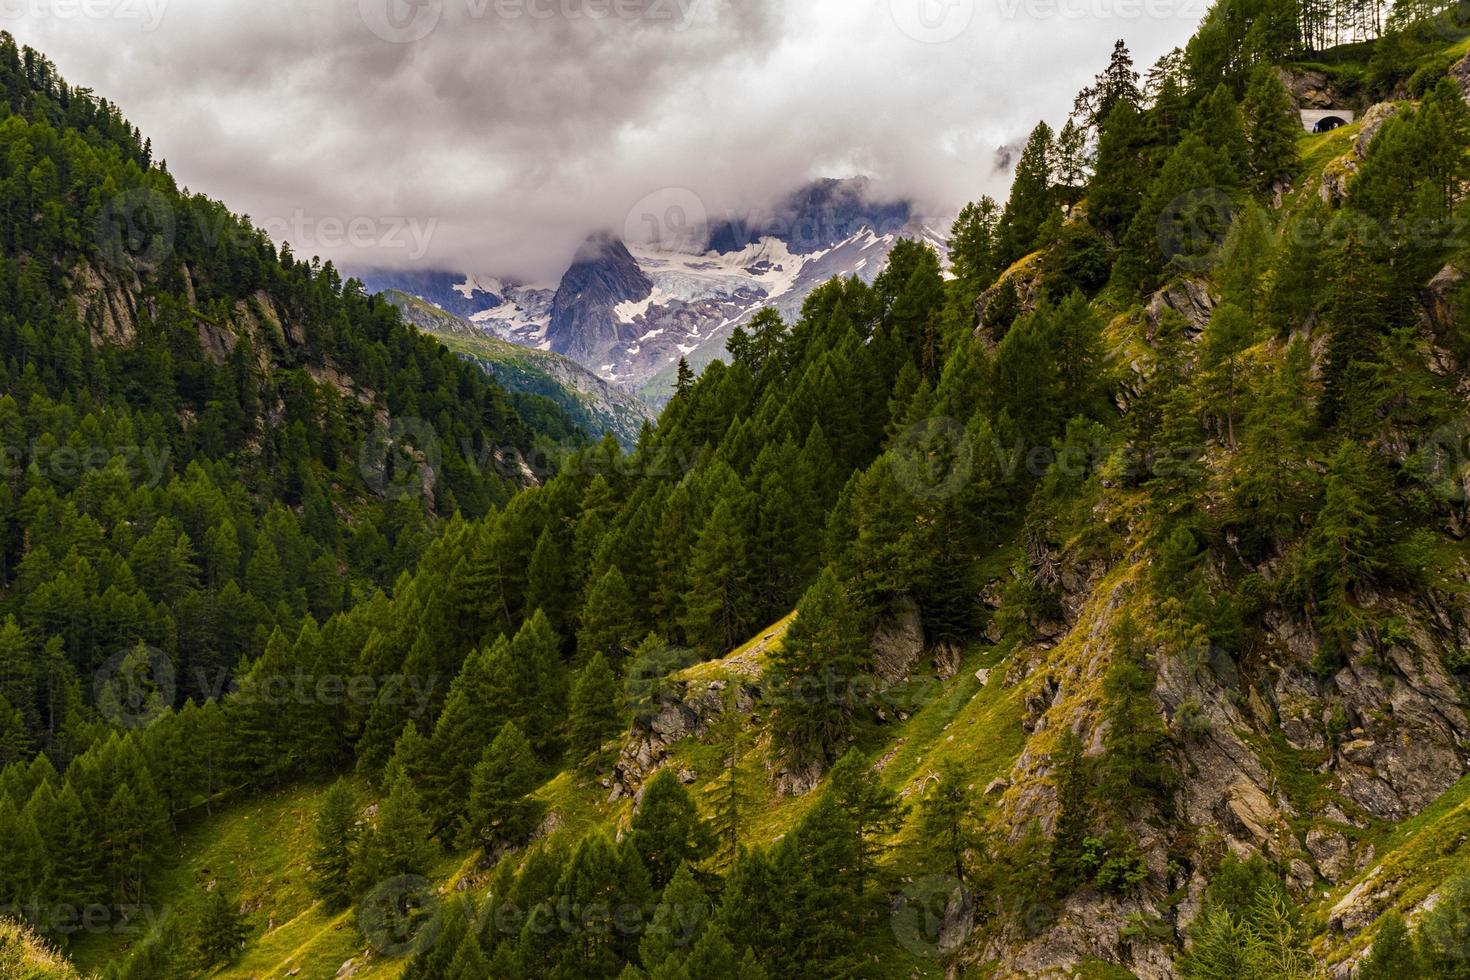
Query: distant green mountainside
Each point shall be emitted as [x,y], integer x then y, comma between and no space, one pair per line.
[590,402]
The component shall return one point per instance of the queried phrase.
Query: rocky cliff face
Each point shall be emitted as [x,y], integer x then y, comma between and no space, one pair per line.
[584,323]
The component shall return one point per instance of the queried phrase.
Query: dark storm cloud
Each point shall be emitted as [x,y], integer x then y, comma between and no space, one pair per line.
[494,134]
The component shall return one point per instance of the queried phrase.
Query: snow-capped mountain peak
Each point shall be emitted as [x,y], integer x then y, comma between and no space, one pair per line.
[630,312]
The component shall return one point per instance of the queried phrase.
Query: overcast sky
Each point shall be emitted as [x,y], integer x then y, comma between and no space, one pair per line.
[493,135]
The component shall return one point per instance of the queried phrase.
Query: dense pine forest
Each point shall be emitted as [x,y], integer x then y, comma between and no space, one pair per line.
[1089,601]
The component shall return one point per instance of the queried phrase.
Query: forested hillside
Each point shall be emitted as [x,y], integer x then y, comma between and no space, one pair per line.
[204,442]
[1118,587]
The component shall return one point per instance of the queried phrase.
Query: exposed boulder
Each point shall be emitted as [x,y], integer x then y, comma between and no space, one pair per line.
[1311,89]
[1438,301]
[685,712]
[1332,852]
[1191,298]
[898,642]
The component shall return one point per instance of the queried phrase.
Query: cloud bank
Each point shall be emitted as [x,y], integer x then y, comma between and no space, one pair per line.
[493,135]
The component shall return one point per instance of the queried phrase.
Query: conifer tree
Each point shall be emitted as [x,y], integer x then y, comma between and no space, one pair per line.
[972,244]
[609,622]
[1136,766]
[221,929]
[817,673]
[1074,811]
[667,829]
[470,962]
[550,586]
[399,844]
[15,739]
[873,809]
[1272,130]
[540,689]
[1356,315]
[716,614]
[684,382]
[501,811]
[727,820]
[713,956]
[1116,84]
[682,913]
[1393,956]
[1070,163]
[1031,203]
[334,841]
[1229,333]
[945,814]
[478,703]
[596,708]
[22,860]
[1120,176]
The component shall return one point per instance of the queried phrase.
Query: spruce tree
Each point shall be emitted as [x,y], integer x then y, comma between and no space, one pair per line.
[399,844]
[972,244]
[470,962]
[1393,955]
[716,613]
[1118,83]
[1272,130]
[501,811]
[682,913]
[220,929]
[666,829]
[873,809]
[1074,811]
[817,675]
[1120,176]
[1069,164]
[609,621]
[22,860]
[550,586]
[1224,382]
[334,840]
[945,813]
[1137,769]
[478,703]
[729,734]
[1031,203]
[540,689]
[596,709]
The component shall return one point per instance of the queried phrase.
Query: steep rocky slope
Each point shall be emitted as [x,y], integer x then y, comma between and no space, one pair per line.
[596,405]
